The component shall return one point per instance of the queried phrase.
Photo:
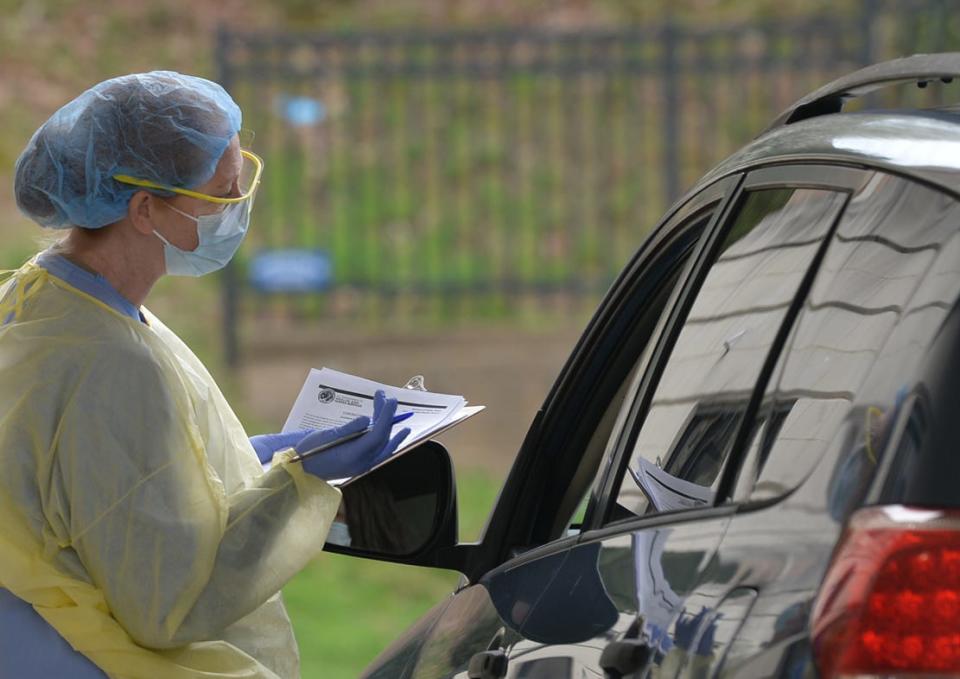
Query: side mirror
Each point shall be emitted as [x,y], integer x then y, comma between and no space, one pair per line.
[404,511]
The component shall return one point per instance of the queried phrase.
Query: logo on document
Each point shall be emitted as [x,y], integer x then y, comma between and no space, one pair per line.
[326,395]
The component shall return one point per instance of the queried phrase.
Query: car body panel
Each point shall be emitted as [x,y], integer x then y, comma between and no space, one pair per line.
[401,656]
[922,145]
[443,642]
[636,584]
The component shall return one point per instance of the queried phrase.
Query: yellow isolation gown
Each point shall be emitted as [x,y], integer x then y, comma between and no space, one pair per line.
[136,518]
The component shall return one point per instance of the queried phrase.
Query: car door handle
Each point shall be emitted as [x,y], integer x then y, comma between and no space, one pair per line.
[488,665]
[624,657]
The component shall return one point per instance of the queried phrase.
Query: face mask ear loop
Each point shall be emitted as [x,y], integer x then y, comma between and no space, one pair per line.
[160,236]
[181,212]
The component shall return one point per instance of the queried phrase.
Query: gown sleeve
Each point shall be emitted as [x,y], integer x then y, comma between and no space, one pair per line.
[177,557]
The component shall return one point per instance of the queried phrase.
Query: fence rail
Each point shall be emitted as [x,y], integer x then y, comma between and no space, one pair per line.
[450,174]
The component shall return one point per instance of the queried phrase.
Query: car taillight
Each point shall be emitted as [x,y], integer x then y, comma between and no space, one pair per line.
[890,602]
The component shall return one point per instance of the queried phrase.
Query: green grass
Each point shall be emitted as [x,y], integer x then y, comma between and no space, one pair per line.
[346,610]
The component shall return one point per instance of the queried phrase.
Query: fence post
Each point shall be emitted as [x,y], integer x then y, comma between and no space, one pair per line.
[229,280]
[671,112]
[868,11]
[943,26]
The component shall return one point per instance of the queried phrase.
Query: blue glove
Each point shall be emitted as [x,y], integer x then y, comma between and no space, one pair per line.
[360,454]
[267,444]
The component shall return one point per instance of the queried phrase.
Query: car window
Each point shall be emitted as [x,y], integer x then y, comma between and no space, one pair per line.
[887,281]
[647,324]
[569,446]
[701,398]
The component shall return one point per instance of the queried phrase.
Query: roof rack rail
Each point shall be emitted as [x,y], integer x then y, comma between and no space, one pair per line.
[922,68]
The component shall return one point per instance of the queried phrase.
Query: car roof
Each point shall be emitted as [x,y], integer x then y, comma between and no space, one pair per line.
[922,144]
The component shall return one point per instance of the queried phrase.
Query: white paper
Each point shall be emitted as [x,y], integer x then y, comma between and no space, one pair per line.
[330,398]
[665,491]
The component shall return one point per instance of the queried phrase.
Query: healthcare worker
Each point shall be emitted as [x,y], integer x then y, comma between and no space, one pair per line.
[140,536]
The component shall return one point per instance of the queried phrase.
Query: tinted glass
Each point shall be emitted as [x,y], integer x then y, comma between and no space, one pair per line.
[668,269]
[885,285]
[702,395]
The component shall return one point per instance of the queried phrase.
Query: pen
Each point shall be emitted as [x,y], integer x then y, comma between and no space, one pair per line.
[349,437]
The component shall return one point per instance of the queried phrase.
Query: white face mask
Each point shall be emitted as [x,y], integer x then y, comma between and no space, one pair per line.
[220,235]
[339,534]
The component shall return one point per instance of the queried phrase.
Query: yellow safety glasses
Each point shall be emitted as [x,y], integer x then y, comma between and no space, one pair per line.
[250,173]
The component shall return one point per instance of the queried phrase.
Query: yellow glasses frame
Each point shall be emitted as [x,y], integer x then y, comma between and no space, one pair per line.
[147,184]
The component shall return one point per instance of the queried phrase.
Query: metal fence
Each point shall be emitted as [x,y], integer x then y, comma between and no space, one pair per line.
[495,172]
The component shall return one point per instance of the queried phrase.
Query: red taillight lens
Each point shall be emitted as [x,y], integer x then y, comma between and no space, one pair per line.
[890,602]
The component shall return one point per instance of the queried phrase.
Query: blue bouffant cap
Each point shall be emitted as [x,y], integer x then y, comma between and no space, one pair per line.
[163,126]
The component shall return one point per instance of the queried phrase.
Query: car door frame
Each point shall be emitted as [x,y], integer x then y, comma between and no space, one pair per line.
[841,177]
[530,489]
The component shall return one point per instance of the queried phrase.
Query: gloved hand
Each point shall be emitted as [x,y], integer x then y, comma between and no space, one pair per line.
[360,454]
[267,444]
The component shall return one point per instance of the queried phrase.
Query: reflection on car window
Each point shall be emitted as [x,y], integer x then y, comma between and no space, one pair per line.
[887,281]
[699,453]
[636,347]
[701,398]
[907,448]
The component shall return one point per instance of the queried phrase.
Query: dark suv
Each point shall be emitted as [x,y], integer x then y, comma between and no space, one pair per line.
[750,465]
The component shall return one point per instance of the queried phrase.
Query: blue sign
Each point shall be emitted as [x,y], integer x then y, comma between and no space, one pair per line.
[291,271]
[302,111]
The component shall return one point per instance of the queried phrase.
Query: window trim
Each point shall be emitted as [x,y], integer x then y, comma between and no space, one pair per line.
[604,497]
[839,179]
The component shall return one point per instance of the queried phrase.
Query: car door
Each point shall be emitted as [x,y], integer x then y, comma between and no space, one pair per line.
[525,549]
[842,387]
[640,592]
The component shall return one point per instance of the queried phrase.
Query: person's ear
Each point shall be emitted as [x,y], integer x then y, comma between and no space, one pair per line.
[141,212]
